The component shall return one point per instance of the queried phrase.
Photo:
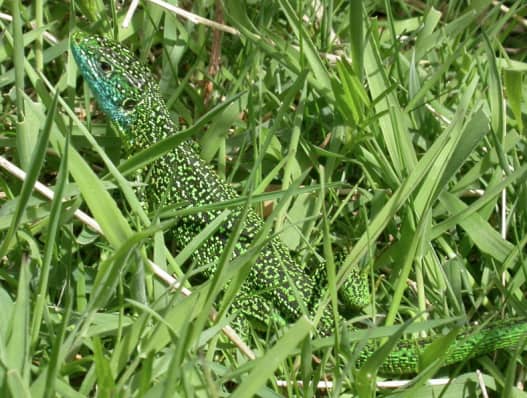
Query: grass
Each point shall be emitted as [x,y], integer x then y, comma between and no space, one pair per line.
[410,159]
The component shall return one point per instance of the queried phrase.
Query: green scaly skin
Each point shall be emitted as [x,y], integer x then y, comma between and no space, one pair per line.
[129,95]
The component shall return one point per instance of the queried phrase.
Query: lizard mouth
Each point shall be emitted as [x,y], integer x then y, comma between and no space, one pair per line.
[78,43]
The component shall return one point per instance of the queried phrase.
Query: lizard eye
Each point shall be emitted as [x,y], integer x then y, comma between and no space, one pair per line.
[105,67]
[129,104]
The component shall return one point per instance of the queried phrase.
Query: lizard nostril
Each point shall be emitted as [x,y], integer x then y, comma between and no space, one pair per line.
[77,37]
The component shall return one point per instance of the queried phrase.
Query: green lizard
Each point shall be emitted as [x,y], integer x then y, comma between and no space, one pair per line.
[129,95]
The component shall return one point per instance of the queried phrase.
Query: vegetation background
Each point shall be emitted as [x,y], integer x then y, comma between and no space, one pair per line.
[391,131]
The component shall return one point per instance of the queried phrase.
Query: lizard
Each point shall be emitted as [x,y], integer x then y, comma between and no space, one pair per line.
[129,95]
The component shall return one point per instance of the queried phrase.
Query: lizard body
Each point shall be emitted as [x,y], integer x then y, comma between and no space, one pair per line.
[128,94]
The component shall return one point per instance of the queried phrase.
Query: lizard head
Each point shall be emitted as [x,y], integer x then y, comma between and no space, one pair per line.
[119,82]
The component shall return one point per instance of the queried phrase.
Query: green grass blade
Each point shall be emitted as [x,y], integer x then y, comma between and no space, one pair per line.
[513,86]
[54,215]
[35,165]
[266,365]
[17,344]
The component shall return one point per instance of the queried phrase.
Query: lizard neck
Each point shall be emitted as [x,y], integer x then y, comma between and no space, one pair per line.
[151,123]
